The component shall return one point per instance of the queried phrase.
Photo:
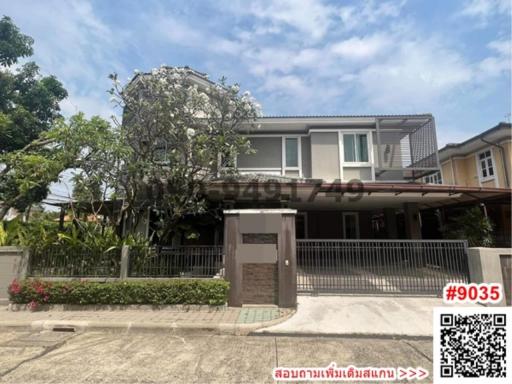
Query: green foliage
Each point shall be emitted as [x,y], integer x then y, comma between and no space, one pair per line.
[3,235]
[35,235]
[40,235]
[160,292]
[13,44]
[76,143]
[471,225]
[29,106]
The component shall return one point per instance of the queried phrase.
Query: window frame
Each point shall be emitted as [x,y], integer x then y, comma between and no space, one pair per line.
[368,148]
[163,147]
[481,178]
[284,167]
[369,143]
[434,178]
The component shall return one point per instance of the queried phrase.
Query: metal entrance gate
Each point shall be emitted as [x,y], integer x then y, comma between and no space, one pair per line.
[380,266]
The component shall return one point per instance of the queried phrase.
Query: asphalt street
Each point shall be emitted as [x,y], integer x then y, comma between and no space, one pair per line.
[159,357]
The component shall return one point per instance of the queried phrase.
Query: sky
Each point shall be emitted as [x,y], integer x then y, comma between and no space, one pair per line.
[451,58]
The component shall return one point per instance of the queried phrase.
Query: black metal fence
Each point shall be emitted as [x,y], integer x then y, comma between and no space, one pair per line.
[182,261]
[59,261]
[380,266]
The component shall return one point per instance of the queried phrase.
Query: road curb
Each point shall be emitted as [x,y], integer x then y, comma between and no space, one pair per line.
[181,327]
[124,327]
[382,336]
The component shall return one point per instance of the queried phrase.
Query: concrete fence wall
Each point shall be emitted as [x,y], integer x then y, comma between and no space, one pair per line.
[13,265]
[492,265]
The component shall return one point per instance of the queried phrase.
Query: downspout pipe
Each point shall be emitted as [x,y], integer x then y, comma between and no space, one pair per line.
[503,159]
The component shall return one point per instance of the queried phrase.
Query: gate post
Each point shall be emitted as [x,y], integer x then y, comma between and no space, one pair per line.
[287,262]
[260,256]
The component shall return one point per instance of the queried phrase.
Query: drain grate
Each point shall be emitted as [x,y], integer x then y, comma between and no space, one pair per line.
[63,329]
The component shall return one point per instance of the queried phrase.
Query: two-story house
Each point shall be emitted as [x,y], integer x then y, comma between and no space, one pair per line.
[347,176]
[484,160]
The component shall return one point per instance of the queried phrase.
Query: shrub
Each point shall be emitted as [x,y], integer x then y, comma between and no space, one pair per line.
[156,292]
[470,225]
[39,235]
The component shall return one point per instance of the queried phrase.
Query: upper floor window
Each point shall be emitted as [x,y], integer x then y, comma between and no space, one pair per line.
[486,165]
[160,152]
[291,152]
[355,148]
[434,178]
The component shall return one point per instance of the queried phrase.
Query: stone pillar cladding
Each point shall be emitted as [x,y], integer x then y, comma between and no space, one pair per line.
[260,256]
[259,283]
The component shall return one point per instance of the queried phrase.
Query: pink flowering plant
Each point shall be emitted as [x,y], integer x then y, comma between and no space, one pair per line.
[184,291]
[33,292]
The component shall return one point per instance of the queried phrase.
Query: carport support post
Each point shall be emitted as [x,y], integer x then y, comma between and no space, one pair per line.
[412,221]
[390,223]
[413,232]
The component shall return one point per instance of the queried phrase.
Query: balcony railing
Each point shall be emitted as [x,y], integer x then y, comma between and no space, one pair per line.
[406,148]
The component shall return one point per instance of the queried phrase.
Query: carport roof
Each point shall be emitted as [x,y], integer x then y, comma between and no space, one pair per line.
[372,195]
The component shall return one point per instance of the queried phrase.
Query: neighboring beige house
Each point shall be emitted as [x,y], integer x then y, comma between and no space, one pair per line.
[484,160]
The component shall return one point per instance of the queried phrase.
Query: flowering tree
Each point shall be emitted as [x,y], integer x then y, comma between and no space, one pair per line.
[181,130]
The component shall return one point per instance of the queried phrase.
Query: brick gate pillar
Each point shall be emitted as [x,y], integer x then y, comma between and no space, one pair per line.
[260,256]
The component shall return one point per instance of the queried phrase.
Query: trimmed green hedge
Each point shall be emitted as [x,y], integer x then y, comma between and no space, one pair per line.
[156,292]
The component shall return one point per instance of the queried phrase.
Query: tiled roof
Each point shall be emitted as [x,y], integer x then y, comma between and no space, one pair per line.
[499,126]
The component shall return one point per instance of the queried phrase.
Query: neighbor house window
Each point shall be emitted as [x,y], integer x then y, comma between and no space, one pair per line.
[486,165]
[291,152]
[355,148]
[435,178]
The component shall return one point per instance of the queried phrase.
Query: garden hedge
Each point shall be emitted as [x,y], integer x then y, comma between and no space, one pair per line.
[156,292]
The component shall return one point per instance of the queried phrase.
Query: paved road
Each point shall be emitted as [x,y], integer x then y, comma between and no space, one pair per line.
[90,357]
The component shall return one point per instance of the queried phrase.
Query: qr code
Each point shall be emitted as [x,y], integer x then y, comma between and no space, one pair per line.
[472,343]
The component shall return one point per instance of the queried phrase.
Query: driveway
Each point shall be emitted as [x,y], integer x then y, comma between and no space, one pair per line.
[163,357]
[360,315]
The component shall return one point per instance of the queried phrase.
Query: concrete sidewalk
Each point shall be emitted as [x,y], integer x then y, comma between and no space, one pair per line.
[364,316]
[222,320]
